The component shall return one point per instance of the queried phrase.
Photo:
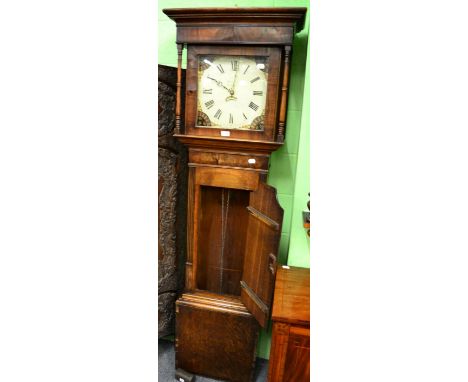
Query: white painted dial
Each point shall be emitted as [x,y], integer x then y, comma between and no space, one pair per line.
[232,92]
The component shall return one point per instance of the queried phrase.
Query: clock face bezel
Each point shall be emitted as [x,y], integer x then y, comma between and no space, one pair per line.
[271,55]
[232,92]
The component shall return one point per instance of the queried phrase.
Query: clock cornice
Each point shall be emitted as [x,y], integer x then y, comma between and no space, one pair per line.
[293,16]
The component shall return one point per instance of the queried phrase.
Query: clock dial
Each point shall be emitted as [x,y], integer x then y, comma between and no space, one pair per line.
[232,92]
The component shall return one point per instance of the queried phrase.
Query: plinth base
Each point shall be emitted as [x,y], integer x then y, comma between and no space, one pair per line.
[215,337]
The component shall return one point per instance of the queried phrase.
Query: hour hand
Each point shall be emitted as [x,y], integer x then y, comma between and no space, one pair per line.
[219,83]
[211,78]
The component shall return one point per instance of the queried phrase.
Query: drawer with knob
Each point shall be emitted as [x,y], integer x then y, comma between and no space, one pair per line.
[225,159]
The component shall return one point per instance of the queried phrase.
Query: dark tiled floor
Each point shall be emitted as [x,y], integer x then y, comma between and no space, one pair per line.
[166,362]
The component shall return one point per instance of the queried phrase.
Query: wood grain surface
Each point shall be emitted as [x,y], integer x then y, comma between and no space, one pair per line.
[290,347]
[291,303]
[216,337]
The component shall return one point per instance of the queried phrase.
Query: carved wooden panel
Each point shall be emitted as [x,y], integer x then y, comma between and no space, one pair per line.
[172,199]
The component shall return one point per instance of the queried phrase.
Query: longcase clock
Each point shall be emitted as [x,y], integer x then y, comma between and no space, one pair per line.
[237,76]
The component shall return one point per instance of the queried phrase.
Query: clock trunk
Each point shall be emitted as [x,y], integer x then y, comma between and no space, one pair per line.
[221,251]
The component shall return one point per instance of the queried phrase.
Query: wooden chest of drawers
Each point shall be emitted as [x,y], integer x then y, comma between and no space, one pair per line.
[290,348]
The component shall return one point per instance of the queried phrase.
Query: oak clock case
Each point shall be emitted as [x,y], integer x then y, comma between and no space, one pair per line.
[237,77]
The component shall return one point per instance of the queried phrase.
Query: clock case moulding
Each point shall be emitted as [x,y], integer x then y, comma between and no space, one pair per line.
[233,217]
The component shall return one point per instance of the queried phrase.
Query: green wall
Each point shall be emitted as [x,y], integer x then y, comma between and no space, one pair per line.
[299,241]
[289,160]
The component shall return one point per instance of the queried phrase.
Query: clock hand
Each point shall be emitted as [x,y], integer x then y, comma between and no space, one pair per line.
[219,83]
[231,96]
[233,87]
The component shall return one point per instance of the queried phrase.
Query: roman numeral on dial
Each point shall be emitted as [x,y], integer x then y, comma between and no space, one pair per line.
[231,119]
[244,115]
[220,68]
[218,114]
[247,68]
[257,92]
[235,65]
[255,79]
[207,91]
[209,104]
[253,106]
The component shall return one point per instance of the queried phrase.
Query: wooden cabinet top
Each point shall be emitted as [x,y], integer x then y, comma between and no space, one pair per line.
[275,15]
[291,300]
[238,26]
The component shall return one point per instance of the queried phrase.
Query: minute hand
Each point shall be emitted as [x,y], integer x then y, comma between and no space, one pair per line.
[233,87]
[219,83]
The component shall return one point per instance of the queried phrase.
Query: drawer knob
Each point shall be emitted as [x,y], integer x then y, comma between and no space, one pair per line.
[251,161]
